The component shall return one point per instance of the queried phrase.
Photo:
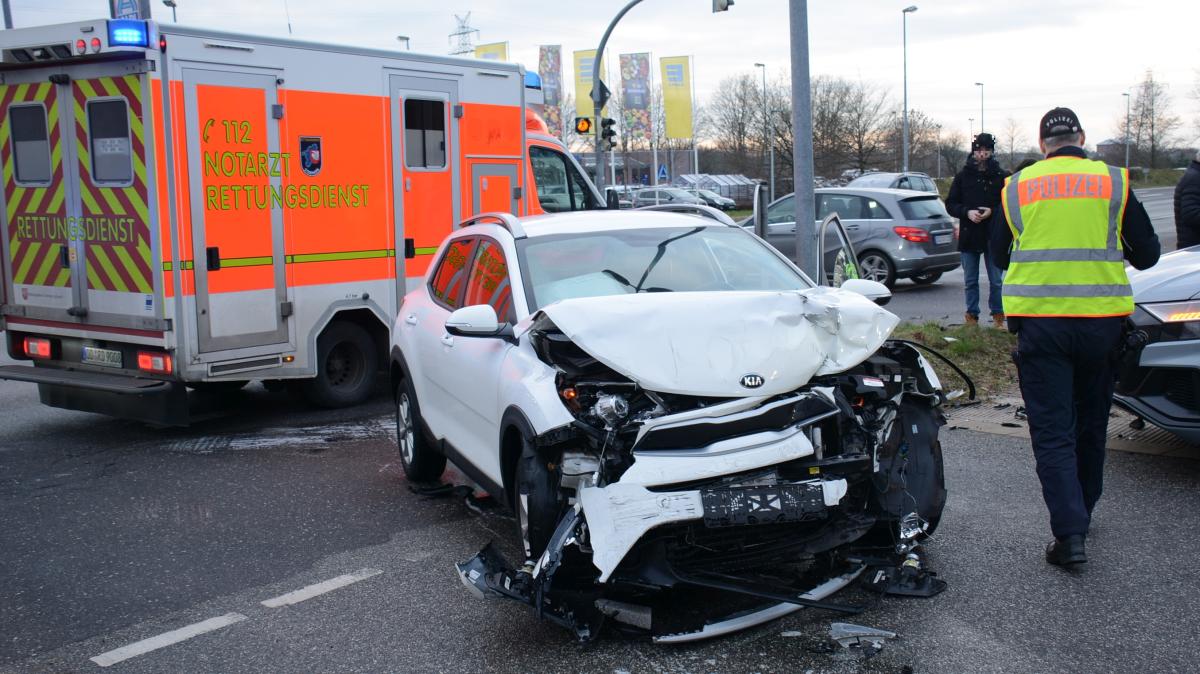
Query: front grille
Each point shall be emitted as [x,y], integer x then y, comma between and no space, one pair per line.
[1182,387]
[775,415]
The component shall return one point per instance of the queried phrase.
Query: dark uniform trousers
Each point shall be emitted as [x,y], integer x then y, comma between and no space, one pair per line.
[1066,372]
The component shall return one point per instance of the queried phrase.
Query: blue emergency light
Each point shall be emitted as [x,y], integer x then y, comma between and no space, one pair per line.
[533,80]
[128,33]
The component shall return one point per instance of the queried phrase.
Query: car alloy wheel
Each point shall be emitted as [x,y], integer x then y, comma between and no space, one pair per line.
[876,267]
[404,427]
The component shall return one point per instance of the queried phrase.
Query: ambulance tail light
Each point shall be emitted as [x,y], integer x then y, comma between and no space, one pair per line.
[128,33]
[95,45]
[914,234]
[38,348]
[155,362]
[80,47]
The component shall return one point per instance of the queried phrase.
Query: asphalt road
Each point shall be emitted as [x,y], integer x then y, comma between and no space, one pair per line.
[944,301]
[112,532]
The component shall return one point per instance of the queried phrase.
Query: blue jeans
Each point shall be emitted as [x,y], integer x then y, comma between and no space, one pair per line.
[970,263]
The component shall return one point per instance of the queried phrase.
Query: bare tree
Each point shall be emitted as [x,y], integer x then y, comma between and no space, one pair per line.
[732,112]
[1152,126]
[1012,137]
[866,113]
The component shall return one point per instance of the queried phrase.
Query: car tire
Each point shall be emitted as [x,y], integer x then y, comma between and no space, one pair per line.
[346,367]
[928,278]
[420,461]
[876,266]
[536,501]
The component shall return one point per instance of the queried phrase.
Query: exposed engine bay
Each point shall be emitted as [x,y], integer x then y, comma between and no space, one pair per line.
[683,516]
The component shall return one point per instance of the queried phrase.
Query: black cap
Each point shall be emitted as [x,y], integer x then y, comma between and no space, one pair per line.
[1059,122]
[983,141]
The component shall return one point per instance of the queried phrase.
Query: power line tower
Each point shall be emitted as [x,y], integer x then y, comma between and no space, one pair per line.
[462,38]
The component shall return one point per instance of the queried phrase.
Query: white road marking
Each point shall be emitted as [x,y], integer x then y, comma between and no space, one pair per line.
[297,596]
[166,639]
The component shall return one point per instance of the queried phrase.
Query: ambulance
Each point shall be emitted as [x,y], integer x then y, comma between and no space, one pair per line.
[186,208]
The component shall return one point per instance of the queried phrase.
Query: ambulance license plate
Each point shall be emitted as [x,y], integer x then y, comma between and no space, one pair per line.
[97,356]
[942,238]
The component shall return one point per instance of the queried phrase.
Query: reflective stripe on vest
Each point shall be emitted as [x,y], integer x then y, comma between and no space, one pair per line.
[1065,214]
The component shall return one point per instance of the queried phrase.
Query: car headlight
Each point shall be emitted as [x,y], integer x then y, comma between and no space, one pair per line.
[1176,320]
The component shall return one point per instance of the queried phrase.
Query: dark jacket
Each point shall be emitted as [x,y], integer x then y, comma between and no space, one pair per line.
[1138,240]
[972,189]
[1187,207]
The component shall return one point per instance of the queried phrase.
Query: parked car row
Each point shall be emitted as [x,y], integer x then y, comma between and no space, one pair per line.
[637,197]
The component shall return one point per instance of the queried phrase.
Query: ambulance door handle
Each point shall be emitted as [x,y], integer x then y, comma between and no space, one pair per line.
[411,319]
[213,258]
[407,184]
[447,340]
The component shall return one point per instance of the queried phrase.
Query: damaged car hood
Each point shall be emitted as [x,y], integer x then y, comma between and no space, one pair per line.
[725,344]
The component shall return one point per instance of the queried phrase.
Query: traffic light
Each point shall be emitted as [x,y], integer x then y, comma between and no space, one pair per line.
[721,5]
[583,125]
[608,133]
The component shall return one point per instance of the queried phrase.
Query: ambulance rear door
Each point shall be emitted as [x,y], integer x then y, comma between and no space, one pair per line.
[235,167]
[79,244]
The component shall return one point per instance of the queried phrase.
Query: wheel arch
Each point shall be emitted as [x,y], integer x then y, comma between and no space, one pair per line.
[514,428]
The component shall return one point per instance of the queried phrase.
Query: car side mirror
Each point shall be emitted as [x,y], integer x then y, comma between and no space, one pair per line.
[872,290]
[478,320]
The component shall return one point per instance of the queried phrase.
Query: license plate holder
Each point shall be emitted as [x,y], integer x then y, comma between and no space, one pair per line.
[770,504]
[940,239]
[93,355]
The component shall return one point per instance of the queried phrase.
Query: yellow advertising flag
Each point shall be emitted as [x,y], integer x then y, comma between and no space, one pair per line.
[677,95]
[585,60]
[496,51]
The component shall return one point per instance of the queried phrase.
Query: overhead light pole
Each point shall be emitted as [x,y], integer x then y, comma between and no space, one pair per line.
[980,85]
[972,121]
[1126,95]
[904,22]
[769,129]
[404,39]
[172,4]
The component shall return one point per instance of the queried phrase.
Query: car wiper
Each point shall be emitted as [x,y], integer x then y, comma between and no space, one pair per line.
[662,250]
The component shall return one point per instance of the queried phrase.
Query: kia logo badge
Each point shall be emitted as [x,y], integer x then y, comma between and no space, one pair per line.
[752,380]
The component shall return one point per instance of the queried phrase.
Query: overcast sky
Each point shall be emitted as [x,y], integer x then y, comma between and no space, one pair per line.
[1031,55]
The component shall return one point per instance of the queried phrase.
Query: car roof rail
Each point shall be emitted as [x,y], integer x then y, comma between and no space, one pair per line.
[692,209]
[504,219]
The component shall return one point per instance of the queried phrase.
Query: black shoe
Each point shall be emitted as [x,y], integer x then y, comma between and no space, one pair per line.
[1066,551]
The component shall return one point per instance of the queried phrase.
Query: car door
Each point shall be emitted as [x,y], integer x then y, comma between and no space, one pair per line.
[781,225]
[469,367]
[427,319]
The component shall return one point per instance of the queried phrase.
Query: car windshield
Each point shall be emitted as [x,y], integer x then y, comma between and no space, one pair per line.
[922,208]
[666,259]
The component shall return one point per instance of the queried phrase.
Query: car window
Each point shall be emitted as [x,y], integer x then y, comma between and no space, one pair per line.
[667,259]
[927,185]
[875,210]
[783,210]
[920,208]
[446,281]
[560,187]
[488,283]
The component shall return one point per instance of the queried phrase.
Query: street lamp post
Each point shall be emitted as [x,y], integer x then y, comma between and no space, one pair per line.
[980,85]
[1126,95]
[769,129]
[904,21]
[972,121]
[404,39]
[172,4]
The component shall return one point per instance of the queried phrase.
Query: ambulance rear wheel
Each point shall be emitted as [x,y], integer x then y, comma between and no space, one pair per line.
[346,367]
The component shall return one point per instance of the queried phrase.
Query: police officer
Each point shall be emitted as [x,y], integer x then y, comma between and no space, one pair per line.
[1069,223]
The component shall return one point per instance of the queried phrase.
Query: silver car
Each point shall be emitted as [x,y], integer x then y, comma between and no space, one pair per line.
[1159,374]
[896,233]
[911,180]
[652,196]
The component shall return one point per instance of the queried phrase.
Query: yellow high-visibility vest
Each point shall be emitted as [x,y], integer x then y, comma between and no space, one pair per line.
[1067,260]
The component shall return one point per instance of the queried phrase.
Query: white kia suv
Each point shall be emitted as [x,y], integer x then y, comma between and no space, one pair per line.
[677,416]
